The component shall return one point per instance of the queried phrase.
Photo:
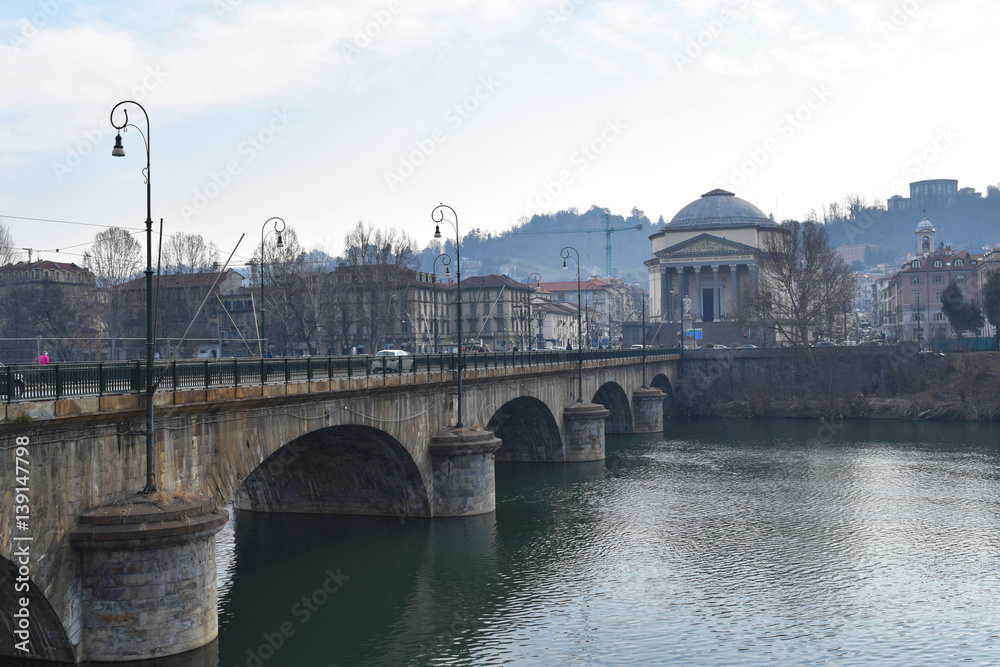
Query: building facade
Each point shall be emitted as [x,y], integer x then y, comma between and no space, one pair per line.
[705,253]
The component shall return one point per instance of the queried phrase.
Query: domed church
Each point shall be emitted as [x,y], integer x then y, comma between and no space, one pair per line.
[706,252]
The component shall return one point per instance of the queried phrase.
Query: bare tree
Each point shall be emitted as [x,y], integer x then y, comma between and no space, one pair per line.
[189,253]
[8,253]
[378,263]
[802,283]
[114,258]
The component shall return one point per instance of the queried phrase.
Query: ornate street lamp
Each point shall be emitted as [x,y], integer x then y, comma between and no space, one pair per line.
[445,261]
[538,283]
[280,244]
[119,151]
[643,342]
[438,216]
[564,253]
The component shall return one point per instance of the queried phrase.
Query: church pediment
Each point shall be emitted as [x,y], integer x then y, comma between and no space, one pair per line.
[705,245]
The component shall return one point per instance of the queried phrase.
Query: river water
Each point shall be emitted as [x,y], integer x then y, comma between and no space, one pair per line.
[718,543]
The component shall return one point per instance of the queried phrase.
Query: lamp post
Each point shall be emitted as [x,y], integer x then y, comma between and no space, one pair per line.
[445,261]
[538,283]
[438,216]
[564,253]
[644,342]
[279,244]
[119,151]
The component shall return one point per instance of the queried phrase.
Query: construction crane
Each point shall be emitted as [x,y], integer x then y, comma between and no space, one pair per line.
[608,231]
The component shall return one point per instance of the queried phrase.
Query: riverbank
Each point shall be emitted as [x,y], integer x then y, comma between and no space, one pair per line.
[903,383]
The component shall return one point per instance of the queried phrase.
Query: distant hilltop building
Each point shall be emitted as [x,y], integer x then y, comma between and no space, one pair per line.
[855,252]
[934,192]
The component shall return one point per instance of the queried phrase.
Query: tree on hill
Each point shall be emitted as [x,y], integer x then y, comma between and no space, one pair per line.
[962,315]
[991,302]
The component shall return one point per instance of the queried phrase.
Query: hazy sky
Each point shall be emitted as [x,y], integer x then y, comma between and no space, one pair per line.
[326,113]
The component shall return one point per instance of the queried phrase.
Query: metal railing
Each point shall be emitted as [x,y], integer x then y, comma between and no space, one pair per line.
[30,382]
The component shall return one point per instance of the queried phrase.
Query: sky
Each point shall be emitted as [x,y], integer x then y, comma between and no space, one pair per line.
[330,113]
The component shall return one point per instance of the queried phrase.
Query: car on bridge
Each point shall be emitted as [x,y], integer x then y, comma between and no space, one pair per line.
[388,360]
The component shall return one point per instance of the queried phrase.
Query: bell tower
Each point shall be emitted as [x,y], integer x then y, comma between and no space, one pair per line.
[925,237]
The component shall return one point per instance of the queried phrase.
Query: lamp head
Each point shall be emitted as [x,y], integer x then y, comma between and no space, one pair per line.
[280,243]
[437,231]
[447,272]
[564,265]
[118,150]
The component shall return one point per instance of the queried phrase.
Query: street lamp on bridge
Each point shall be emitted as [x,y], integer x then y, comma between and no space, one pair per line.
[564,253]
[280,244]
[538,283]
[438,216]
[445,261]
[119,151]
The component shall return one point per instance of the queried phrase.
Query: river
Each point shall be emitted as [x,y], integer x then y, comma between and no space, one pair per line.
[718,543]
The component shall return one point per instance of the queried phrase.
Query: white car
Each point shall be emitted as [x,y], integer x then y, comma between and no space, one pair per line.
[391,359]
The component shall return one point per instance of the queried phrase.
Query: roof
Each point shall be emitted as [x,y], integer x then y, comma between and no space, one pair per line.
[925,225]
[494,281]
[177,280]
[570,285]
[43,264]
[716,210]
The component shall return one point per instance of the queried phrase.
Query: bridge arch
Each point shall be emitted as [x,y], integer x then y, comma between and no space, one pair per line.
[613,397]
[346,469]
[47,636]
[528,431]
[662,382]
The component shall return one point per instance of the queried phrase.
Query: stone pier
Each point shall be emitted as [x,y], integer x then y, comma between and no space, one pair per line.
[464,472]
[647,410]
[583,431]
[148,577]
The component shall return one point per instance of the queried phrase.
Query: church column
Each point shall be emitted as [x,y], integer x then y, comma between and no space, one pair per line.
[734,281]
[665,300]
[716,295]
[684,286]
[697,295]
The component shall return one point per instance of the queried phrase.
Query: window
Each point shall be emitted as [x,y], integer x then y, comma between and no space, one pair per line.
[915,280]
[937,263]
[938,297]
[939,279]
[960,278]
[938,316]
[959,262]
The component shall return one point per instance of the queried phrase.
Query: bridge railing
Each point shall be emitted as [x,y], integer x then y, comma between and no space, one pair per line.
[29,382]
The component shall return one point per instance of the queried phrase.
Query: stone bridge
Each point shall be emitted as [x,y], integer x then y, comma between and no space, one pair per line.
[97,572]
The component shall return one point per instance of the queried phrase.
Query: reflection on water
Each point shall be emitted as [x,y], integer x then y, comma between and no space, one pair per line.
[722,543]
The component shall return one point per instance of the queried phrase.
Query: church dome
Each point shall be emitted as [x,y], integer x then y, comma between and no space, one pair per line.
[925,225]
[719,209]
